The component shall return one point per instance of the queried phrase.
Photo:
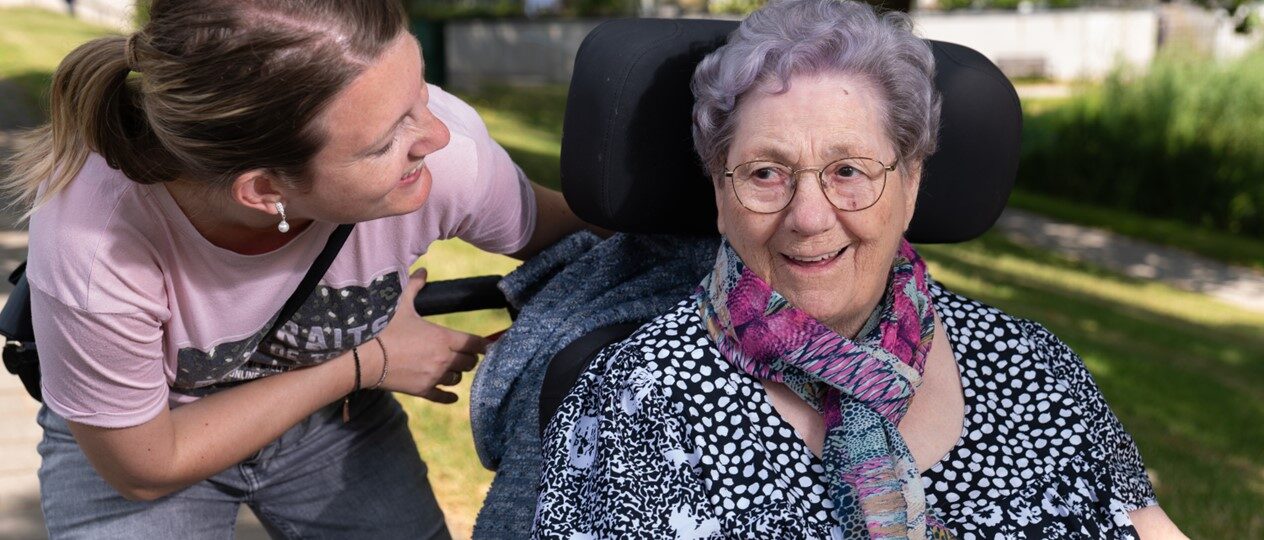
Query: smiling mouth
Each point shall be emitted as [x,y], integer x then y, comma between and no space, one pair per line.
[814,260]
[413,173]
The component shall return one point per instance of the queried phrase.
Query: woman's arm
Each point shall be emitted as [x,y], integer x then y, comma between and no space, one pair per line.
[184,446]
[1152,523]
[554,220]
[193,442]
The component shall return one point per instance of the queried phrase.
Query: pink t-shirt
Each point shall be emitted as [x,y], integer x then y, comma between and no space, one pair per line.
[135,311]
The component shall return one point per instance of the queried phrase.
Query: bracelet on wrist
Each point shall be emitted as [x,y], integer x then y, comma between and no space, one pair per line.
[386,364]
[346,400]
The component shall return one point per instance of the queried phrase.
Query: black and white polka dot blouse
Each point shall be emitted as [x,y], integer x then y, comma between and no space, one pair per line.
[662,438]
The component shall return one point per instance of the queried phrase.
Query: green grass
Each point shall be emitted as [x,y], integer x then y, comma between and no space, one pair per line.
[33,42]
[1211,243]
[528,123]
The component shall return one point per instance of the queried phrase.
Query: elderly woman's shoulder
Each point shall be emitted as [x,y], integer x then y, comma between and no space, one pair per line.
[669,340]
[971,322]
[985,338]
[660,358]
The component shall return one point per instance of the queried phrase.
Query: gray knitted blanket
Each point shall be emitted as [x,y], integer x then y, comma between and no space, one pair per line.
[578,285]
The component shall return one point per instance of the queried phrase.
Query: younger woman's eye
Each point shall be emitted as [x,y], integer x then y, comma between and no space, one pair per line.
[383,150]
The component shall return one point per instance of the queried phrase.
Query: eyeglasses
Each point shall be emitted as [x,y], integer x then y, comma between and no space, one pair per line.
[850,184]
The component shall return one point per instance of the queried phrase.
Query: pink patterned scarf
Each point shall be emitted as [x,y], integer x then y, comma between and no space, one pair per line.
[862,387]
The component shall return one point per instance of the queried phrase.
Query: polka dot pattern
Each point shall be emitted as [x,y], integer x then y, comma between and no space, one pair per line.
[662,438]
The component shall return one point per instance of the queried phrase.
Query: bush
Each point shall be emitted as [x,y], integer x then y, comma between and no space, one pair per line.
[1183,142]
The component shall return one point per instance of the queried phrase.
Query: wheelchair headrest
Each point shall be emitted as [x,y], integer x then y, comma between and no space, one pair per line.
[628,162]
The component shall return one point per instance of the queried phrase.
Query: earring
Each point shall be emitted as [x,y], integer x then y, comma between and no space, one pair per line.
[283,226]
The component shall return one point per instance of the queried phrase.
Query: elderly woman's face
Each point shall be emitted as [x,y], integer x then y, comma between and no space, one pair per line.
[830,263]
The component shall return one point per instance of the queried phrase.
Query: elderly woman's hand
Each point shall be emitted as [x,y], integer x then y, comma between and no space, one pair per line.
[423,356]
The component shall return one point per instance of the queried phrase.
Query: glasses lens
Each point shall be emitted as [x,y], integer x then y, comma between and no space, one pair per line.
[854,183]
[763,186]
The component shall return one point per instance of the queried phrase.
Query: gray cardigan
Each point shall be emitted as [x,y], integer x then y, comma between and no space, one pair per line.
[578,285]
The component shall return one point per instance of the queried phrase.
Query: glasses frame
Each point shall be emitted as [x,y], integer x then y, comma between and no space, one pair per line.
[820,180]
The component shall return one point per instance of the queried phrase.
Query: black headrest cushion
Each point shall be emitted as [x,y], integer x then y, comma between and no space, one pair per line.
[628,162]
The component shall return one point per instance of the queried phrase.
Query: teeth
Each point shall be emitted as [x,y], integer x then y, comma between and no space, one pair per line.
[414,169]
[818,258]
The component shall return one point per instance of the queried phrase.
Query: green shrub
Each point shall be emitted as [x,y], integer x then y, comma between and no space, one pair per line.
[1182,141]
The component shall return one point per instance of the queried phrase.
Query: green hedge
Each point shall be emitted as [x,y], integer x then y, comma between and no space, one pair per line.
[1185,141]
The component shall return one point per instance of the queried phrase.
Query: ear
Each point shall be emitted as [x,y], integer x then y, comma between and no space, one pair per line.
[912,183]
[257,189]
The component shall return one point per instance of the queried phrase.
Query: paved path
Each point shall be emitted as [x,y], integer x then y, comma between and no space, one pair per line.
[1241,287]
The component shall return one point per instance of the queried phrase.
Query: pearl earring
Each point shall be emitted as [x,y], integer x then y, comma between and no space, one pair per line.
[283,226]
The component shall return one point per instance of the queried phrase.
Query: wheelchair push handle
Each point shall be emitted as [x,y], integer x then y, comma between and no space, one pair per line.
[457,295]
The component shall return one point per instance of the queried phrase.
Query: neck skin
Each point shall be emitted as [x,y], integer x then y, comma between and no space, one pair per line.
[227,224]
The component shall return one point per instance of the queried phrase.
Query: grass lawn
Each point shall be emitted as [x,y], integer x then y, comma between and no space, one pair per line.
[33,42]
[1184,372]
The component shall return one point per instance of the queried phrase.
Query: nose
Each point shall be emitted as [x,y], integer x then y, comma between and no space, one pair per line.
[429,134]
[810,212]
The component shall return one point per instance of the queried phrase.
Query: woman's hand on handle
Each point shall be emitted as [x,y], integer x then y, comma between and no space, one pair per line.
[423,355]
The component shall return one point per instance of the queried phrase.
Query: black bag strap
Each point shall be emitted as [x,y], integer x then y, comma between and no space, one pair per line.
[317,271]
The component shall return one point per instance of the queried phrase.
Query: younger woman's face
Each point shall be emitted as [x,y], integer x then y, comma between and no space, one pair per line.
[379,131]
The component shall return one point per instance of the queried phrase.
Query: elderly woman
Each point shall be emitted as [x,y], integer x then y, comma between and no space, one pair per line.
[819,384]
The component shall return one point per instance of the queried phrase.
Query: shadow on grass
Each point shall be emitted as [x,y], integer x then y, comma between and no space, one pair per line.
[1190,393]
[24,99]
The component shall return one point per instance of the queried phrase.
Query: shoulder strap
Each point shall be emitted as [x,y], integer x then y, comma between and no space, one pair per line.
[317,271]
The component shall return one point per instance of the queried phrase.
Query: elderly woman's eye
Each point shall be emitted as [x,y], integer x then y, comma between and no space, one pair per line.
[765,174]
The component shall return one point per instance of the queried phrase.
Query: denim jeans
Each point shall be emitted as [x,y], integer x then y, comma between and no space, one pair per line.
[320,479]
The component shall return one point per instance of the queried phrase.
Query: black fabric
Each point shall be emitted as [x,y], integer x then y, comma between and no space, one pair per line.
[568,363]
[21,357]
[627,153]
[19,353]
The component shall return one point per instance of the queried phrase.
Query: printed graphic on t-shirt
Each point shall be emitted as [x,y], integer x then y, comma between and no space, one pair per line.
[327,325]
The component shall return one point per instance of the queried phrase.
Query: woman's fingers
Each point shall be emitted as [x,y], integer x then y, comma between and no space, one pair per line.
[439,396]
[451,378]
[463,362]
[462,342]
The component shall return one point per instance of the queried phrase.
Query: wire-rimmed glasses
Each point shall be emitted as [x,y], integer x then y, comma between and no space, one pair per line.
[850,184]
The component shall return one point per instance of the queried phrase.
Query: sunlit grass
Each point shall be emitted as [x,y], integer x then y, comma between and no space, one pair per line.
[33,42]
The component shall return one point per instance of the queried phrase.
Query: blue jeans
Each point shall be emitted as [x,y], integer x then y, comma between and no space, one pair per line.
[320,479]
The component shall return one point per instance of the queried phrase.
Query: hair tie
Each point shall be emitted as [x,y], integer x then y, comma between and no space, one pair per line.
[129,52]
